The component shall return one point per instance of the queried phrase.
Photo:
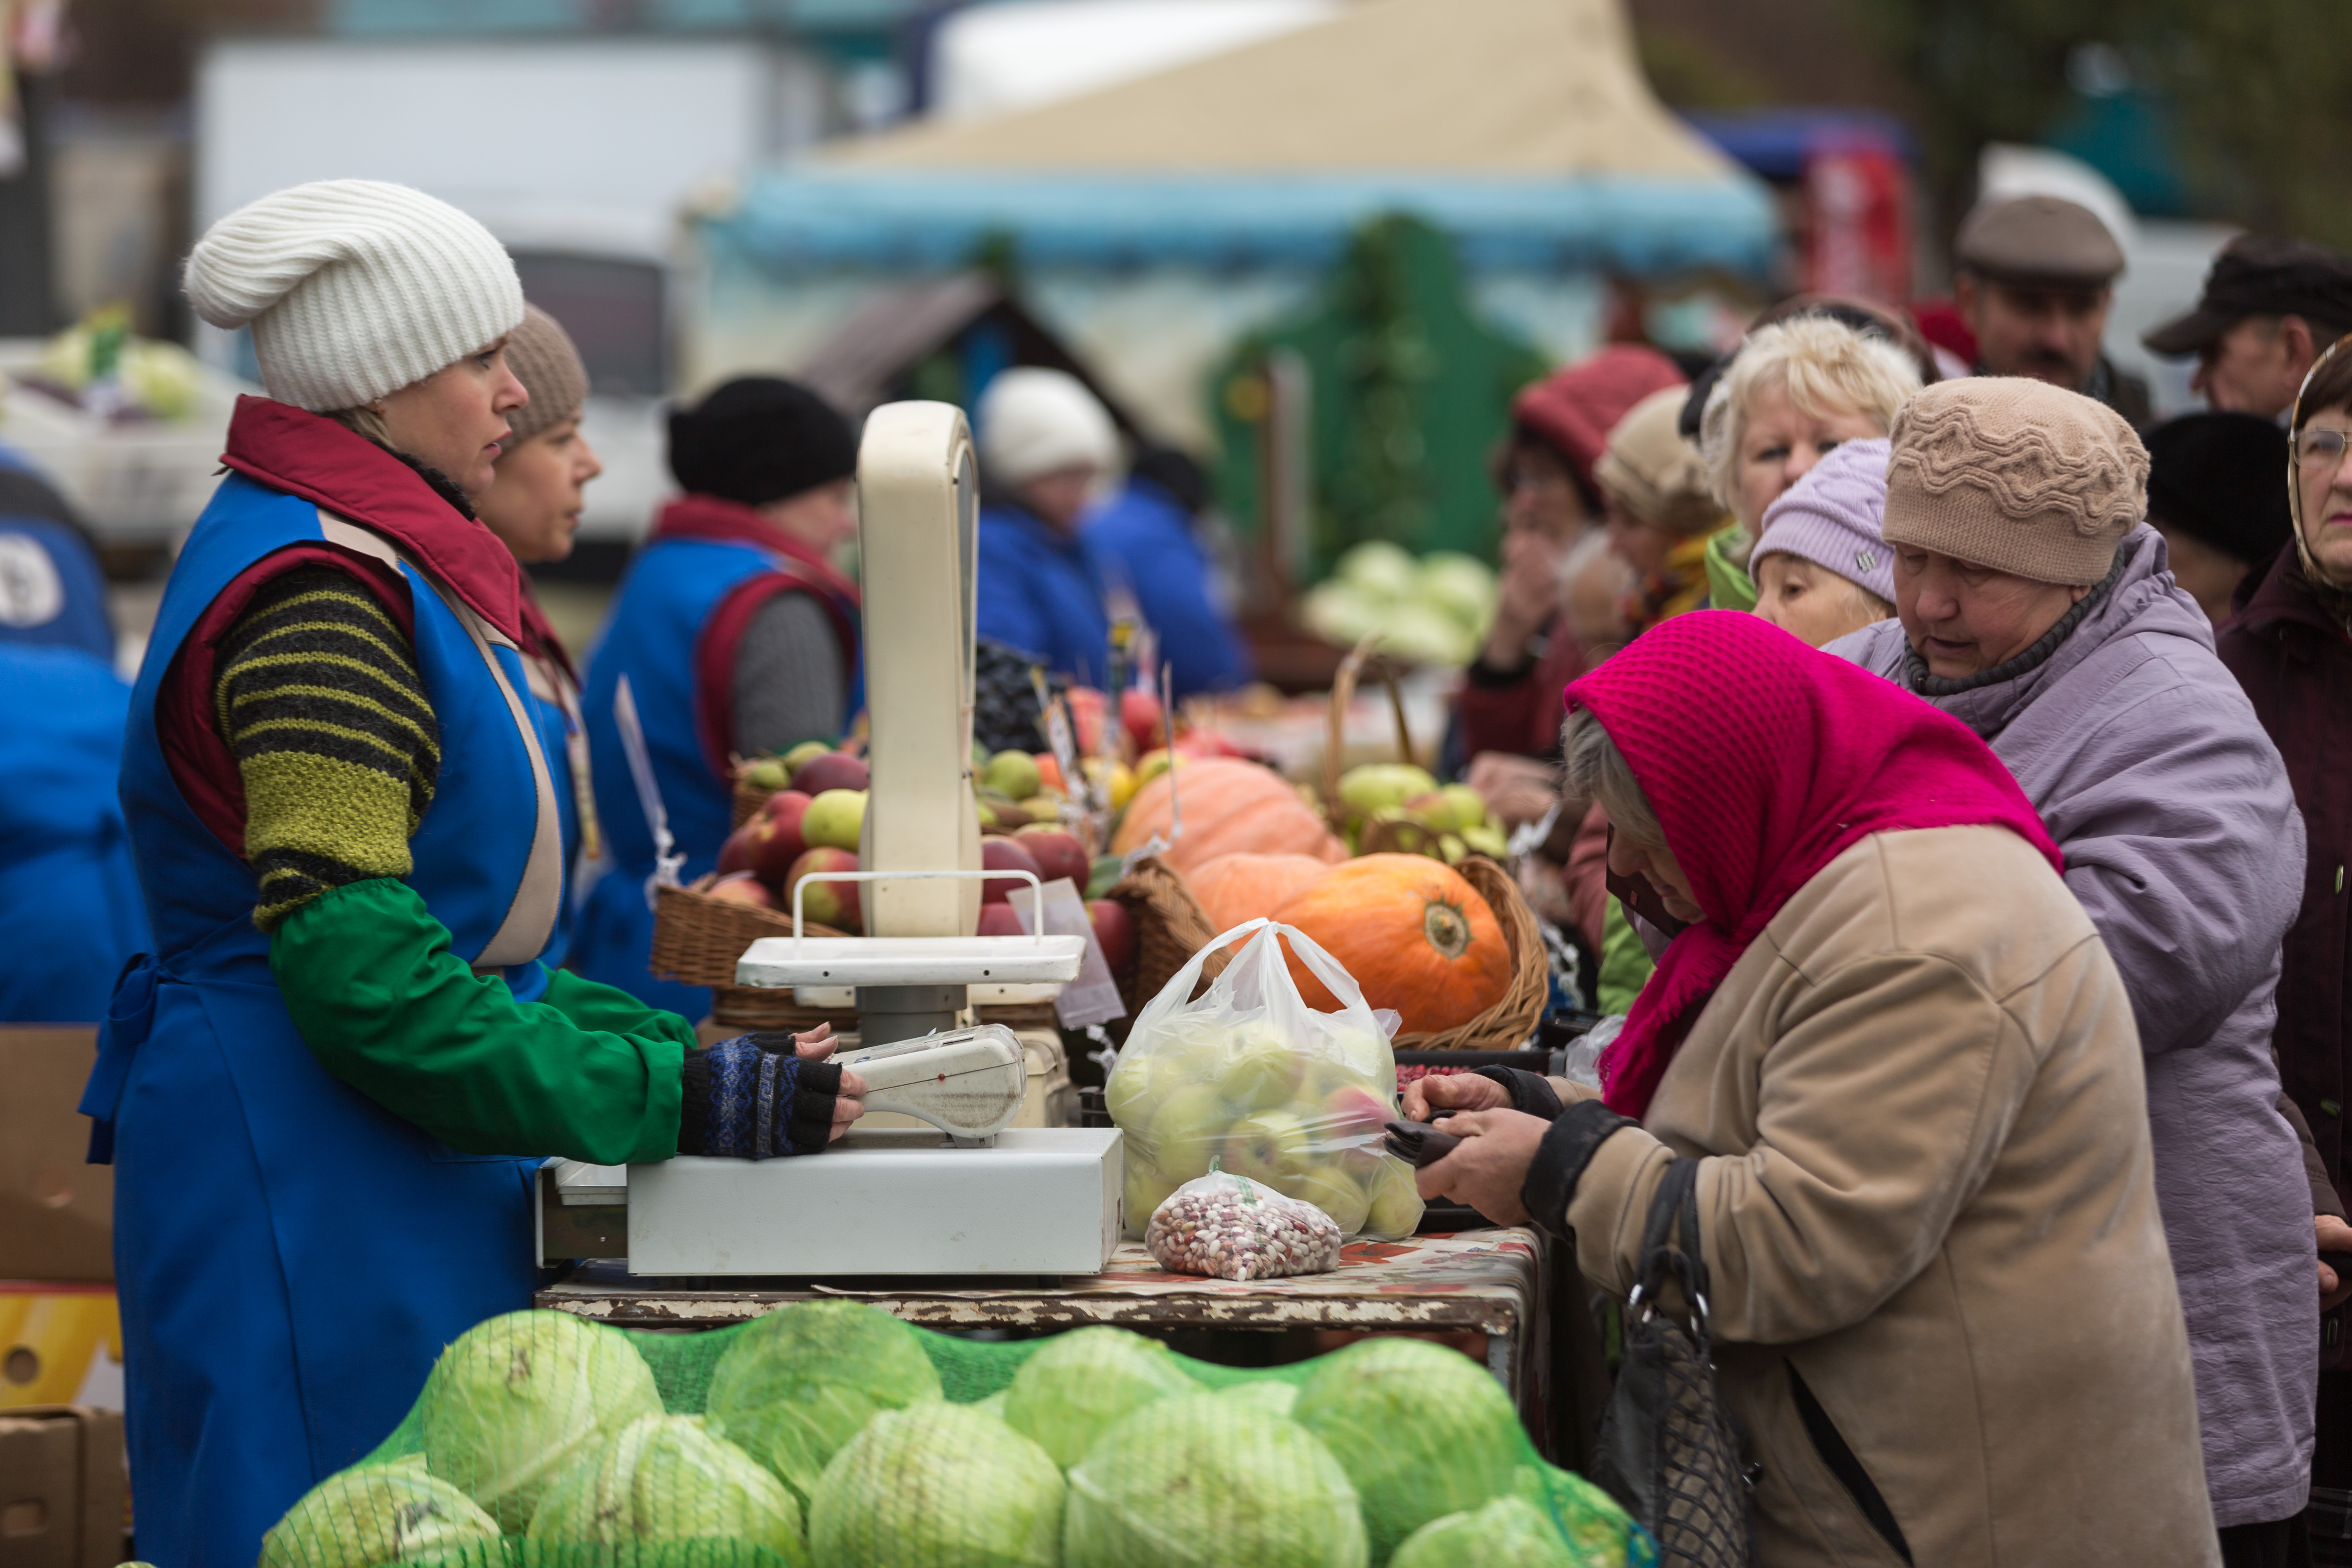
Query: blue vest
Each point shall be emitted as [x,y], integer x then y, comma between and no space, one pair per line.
[655,630]
[69,909]
[291,1257]
[560,727]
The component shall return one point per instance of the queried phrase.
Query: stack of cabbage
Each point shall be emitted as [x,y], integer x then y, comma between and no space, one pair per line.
[824,1440]
[1433,611]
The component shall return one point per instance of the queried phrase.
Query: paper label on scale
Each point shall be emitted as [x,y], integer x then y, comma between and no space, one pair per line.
[1093,997]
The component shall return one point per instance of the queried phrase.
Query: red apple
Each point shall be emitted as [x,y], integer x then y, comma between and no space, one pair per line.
[1057,853]
[835,770]
[737,853]
[1114,933]
[828,903]
[1140,716]
[998,919]
[1005,855]
[1088,708]
[742,888]
[778,841]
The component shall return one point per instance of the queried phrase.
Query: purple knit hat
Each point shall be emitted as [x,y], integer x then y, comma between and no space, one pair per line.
[1832,517]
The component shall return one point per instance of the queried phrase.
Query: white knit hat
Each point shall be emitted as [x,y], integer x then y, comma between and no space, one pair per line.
[1036,421]
[354,289]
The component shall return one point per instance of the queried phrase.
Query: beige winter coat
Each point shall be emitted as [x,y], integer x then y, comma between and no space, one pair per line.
[1927,1191]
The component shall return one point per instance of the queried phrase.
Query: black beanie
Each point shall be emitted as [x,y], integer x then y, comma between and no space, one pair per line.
[759,438]
[2220,479]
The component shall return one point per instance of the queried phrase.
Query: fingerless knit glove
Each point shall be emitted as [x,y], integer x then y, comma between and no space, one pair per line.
[751,1098]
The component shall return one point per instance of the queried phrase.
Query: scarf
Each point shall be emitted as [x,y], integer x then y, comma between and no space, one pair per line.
[1764,761]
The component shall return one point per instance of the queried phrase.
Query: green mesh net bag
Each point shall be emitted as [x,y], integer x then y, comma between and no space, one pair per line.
[830,1434]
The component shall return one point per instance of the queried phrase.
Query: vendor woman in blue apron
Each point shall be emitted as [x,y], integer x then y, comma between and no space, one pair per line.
[316,1090]
[738,636]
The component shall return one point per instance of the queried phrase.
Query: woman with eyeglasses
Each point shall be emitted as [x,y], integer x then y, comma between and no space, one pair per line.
[2291,648]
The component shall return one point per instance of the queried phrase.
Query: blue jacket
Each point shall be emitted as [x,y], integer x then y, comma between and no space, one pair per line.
[1145,540]
[51,590]
[70,907]
[1041,592]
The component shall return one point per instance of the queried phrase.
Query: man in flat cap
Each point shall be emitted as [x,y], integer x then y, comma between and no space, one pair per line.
[2271,306]
[2034,277]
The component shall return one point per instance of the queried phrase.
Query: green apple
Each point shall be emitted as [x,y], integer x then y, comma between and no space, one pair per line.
[1376,785]
[1487,839]
[1396,1205]
[1330,1189]
[1451,849]
[833,819]
[1469,806]
[768,775]
[1435,810]
[1184,1131]
[1142,1190]
[1128,1094]
[1013,775]
[800,756]
[1257,1070]
[1266,1147]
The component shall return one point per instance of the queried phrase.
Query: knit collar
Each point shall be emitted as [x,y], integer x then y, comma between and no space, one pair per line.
[2032,659]
[2284,593]
[310,455]
[716,520]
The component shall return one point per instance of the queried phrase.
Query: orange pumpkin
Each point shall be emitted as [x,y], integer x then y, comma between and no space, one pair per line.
[1411,931]
[1230,806]
[1232,889]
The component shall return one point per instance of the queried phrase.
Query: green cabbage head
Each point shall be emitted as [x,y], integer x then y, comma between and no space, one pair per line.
[513,1401]
[798,1383]
[1423,1432]
[1204,1479]
[939,1485]
[1079,1385]
[1509,1532]
[666,1478]
[377,1514]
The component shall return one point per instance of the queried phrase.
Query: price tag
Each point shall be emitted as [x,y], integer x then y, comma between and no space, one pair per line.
[1093,997]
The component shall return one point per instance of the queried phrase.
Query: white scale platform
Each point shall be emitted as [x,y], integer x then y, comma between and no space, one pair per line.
[1041,1200]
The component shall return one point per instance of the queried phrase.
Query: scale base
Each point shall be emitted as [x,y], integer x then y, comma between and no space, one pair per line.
[1041,1200]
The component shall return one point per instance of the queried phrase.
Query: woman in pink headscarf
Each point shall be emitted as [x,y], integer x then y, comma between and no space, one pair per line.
[1907,1073]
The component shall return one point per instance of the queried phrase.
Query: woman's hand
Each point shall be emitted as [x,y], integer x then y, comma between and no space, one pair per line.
[1530,593]
[1516,789]
[1490,1166]
[850,1103]
[2335,1236]
[1453,1091]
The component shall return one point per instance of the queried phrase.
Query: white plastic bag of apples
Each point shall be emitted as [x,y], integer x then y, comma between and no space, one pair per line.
[1248,1078]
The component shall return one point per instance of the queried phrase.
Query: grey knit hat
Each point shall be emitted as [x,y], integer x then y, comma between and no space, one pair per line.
[354,289]
[2015,474]
[541,354]
[1831,518]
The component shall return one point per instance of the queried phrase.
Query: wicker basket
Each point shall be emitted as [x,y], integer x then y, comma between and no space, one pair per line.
[1360,663]
[1513,1018]
[748,798]
[1168,930]
[697,939]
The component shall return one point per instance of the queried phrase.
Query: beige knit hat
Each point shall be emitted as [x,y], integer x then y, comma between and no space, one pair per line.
[541,354]
[1654,473]
[2017,475]
[354,289]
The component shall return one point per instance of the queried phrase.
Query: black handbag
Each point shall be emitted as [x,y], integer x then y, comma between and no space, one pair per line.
[1667,1450]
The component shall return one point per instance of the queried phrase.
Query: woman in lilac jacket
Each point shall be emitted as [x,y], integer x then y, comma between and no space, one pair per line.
[2035,606]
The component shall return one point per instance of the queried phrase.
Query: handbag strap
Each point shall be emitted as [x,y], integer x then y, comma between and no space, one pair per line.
[1670,1242]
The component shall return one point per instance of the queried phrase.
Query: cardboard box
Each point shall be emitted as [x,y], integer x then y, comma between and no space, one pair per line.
[56,1210]
[62,1488]
[59,1344]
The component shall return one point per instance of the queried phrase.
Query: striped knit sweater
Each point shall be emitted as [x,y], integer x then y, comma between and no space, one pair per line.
[320,700]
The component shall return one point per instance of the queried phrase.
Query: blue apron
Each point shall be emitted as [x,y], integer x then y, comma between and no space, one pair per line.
[656,627]
[69,909]
[291,1257]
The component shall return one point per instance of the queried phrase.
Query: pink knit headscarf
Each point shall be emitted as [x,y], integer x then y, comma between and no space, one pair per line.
[1764,761]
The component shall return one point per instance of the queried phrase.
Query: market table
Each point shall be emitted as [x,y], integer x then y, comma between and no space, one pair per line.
[1492,1282]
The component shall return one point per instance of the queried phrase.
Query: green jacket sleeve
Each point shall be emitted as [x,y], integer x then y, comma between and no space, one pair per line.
[592,1005]
[1625,964]
[370,982]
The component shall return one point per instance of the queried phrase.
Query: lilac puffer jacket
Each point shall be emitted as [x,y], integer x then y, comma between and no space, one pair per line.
[2184,845]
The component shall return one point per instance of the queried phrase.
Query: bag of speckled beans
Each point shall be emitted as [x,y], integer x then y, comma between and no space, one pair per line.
[1230,1227]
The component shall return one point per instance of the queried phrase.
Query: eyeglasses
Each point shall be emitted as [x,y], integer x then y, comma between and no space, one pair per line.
[2316,445]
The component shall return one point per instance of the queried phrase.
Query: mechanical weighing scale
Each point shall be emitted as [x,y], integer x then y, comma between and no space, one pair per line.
[966,1194]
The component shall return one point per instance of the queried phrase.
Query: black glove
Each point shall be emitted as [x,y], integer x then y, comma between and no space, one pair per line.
[753,1097]
[1530,1092]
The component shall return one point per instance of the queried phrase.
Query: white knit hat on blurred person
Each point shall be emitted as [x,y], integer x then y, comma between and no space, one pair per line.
[1034,421]
[354,289]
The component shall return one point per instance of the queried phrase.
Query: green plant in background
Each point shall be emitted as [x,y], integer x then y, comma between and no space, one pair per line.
[1410,391]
